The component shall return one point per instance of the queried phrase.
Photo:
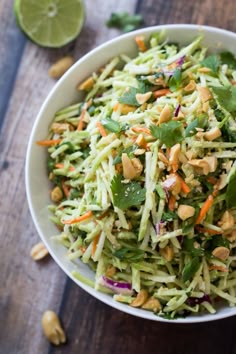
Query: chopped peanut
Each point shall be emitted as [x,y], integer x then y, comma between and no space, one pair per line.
[163,158]
[143,97]
[86,85]
[204,93]
[126,108]
[227,221]
[185,211]
[38,251]
[140,298]
[212,161]
[201,166]
[137,165]
[60,127]
[129,171]
[174,156]
[167,253]
[230,235]
[140,141]
[221,253]
[190,87]
[165,114]
[212,134]
[60,67]
[56,194]
[152,304]
[111,270]
[138,152]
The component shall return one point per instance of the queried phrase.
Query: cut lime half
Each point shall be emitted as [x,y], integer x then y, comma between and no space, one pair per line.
[50,23]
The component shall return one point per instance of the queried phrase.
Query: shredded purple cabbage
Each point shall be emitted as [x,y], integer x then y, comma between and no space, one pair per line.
[180,61]
[177,110]
[191,301]
[159,226]
[116,286]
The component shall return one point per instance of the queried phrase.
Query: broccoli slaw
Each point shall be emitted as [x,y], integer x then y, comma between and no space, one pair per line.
[143,173]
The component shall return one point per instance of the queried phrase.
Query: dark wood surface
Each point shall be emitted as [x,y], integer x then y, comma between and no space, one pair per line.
[28,288]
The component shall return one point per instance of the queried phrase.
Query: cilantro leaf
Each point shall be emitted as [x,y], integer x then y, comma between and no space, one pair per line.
[129,254]
[124,21]
[226,97]
[212,62]
[111,125]
[231,192]
[169,133]
[126,195]
[175,80]
[169,216]
[199,122]
[229,59]
[129,97]
[129,151]
[190,268]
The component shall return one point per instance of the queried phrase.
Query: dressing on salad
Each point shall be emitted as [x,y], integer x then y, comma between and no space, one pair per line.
[144,178]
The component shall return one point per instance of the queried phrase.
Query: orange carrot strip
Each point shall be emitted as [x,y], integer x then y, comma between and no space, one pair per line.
[209,231]
[185,188]
[161,92]
[222,269]
[66,189]
[212,179]
[81,120]
[206,206]
[141,130]
[60,165]
[95,243]
[103,215]
[116,107]
[101,129]
[83,217]
[171,203]
[140,43]
[48,142]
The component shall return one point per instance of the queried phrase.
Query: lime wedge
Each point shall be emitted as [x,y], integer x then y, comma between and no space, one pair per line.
[50,23]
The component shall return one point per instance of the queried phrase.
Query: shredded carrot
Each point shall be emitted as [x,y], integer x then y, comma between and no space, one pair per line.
[206,206]
[81,120]
[83,217]
[66,189]
[95,243]
[83,249]
[215,267]
[101,129]
[209,231]
[116,107]
[161,92]
[60,165]
[140,43]
[48,142]
[103,215]
[141,130]
[184,187]
[212,179]
[171,203]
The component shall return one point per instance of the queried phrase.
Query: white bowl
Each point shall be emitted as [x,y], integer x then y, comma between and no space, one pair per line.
[65,93]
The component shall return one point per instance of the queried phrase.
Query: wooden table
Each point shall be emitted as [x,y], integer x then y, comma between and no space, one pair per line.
[28,288]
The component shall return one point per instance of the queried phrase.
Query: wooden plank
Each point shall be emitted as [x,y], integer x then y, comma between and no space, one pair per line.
[203,12]
[29,288]
[11,49]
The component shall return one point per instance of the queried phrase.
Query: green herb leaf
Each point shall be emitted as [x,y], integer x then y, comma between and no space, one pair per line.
[229,59]
[160,191]
[212,62]
[217,241]
[231,192]
[168,133]
[111,125]
[124,21]
[228,133]
[129,151]
[200,122]
[70,148]
[191,268]
[129,97]
[175,80]
[126,195]
[226,97]
[189,246]
[129,254]
[169,216]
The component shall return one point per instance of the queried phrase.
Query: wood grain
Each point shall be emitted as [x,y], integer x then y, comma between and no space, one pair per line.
[27,288]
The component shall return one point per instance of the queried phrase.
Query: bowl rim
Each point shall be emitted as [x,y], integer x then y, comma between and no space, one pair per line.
[200,318]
